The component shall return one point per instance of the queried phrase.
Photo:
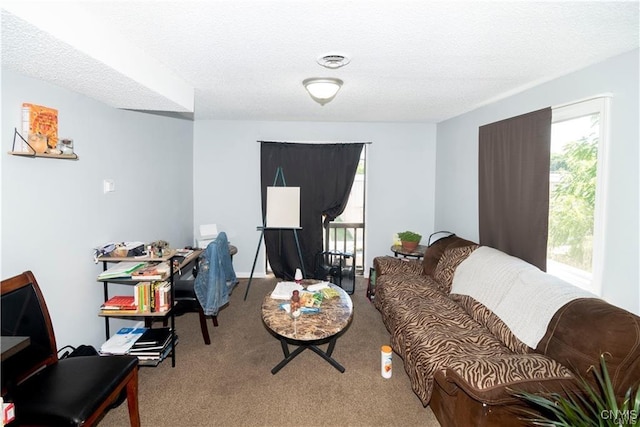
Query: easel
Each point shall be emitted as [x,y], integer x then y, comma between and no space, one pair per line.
[279,174]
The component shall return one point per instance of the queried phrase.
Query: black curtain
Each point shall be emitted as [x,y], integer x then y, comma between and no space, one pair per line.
[514,156]
[324,173]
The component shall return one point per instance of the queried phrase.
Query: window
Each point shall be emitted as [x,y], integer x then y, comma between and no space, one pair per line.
[576,192]
[346,232]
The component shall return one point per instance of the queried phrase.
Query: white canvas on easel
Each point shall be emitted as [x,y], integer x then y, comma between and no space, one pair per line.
[283,207]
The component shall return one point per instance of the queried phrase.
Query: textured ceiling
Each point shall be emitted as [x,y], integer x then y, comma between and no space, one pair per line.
[417,61]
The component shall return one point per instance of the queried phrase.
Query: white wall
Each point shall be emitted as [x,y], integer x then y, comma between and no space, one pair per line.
[457,160]
[400,178]
[54,211]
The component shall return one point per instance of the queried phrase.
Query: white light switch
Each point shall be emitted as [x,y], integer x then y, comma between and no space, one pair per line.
[108,185]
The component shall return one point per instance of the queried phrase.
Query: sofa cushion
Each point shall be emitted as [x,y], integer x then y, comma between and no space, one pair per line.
[496,379]
[434,341]
[451,258]
[401,297]
[488,318]
[435,251]
[391,265]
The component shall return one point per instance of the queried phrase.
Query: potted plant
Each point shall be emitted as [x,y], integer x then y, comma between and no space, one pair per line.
[597,407]
[409,240]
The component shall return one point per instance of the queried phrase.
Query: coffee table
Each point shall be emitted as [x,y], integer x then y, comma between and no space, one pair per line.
[310,329]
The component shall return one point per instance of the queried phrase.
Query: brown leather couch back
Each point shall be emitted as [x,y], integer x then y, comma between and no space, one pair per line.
[585,328]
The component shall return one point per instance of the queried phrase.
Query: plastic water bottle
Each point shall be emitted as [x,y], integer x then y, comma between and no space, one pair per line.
[385,361]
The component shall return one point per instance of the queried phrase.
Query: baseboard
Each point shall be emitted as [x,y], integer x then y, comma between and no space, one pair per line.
[244,275]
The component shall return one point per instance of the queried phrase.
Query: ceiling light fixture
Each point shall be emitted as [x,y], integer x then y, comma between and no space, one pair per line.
[322,89]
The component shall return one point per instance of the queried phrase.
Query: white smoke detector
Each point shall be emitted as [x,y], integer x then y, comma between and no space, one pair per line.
[333,60]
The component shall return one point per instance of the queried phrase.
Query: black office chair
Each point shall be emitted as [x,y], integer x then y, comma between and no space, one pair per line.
[75,391]
[185,294]
[186,300]
[337,266]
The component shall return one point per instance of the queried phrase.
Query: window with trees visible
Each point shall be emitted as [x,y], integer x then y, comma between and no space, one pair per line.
[576,208]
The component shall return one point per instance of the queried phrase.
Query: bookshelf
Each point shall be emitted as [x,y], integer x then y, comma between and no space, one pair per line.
[170,257]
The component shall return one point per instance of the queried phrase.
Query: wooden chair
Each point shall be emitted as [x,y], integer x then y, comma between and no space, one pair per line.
[50,391]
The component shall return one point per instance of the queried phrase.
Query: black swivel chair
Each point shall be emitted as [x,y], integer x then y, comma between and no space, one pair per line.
[46,391]
[339,266]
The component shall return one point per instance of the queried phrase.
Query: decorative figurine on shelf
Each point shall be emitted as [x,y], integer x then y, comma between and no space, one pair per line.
[295,303]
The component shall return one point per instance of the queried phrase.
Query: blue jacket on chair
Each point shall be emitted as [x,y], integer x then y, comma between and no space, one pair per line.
[216,277]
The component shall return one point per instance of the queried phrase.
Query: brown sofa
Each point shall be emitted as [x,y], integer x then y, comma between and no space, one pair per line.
[466,363]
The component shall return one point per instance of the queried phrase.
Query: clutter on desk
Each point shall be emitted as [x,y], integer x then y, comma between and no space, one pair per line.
[119,249]
[157,248]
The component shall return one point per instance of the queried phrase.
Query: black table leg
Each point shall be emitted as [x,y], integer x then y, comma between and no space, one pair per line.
[328,358]
[288,357]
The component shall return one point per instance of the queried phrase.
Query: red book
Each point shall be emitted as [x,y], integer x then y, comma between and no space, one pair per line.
[120,302]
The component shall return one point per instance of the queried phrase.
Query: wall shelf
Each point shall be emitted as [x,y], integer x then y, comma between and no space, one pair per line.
[51,156]
[32,152]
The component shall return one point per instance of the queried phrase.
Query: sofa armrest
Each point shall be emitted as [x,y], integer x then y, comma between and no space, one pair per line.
[389,265]
[496,380]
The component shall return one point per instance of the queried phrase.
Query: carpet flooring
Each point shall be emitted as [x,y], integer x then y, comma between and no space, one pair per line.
[229,383]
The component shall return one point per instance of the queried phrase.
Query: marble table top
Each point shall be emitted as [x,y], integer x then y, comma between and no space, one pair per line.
[335,314]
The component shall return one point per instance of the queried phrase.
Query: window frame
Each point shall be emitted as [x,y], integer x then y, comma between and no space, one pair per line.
[597,105]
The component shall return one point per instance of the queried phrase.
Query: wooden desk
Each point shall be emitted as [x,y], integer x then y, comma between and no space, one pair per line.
[13,345]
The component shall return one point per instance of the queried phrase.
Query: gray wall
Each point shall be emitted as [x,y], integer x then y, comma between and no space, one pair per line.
[457,160]
[172,175]
[54,211]
[400,178]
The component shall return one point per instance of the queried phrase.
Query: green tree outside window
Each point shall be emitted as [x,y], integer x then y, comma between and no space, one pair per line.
[572,201]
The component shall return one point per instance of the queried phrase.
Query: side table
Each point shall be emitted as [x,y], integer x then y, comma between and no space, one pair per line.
[417,253]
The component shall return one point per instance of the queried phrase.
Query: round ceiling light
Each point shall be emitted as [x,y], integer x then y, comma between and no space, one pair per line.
[322,89]
[333,60]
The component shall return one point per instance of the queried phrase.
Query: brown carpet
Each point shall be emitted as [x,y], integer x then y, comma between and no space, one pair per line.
[229,383]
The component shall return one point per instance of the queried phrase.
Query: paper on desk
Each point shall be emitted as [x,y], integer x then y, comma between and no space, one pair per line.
[283,290]
[318,286]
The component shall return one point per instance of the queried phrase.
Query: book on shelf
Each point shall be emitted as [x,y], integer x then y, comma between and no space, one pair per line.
[185,253]
[154,360]
[153,338]
[153,296]
[151,272]
[153,347]
[120,302]
[38,119]
[151,351]
[121,270]
[122,341]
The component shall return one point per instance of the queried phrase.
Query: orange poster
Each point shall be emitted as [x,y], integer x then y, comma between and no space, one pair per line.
[43,120]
